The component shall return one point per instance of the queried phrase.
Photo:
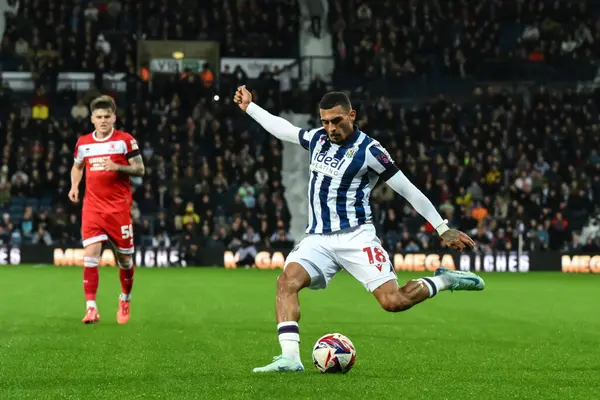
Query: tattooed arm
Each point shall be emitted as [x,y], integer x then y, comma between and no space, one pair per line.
[135,167]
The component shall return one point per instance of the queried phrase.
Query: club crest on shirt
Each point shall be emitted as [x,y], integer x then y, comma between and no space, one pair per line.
[351,152]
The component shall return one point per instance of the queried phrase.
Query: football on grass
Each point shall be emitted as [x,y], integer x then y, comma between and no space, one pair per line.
[334,353]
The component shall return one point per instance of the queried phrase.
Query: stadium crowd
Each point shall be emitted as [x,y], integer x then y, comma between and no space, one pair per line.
[497,164]
[90,35]
[394,42]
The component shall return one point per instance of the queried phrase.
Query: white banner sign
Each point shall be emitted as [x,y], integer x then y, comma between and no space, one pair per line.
[254,66]
[78,81]
[173,66]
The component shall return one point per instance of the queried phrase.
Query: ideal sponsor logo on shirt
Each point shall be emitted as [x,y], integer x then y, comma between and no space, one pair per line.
[327,165]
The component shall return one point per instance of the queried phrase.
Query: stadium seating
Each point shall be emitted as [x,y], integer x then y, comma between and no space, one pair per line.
[79,35]
[180,129]
[389,46]
[498,163]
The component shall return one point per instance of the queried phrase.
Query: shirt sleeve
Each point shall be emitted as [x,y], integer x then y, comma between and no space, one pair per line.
[304,137]
[132,147]
[276,126]
[380,161]
[78,154]
[403,186]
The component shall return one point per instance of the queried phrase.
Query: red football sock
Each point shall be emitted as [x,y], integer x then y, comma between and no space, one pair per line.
[90,277]
[126,277]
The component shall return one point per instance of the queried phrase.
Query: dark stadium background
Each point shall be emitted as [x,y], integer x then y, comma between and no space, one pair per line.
[491,107]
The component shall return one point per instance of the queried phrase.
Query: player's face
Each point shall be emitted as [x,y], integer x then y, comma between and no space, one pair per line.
[103,120]
[338,123]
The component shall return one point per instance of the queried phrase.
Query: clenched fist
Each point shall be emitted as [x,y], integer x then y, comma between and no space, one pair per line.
[74,195]
[242,97]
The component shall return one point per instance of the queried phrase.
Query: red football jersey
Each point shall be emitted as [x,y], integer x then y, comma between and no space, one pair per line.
[106,191]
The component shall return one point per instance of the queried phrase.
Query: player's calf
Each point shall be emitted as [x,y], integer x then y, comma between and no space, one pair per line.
[90,287]
[91,259]
[293,279]
[289,283]
[126,272]
[395,299]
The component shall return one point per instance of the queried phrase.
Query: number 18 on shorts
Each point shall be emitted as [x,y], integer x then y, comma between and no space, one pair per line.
[357,251]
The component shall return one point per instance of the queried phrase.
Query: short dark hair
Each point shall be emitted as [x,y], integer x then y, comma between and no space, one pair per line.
[333,99]
[103,103]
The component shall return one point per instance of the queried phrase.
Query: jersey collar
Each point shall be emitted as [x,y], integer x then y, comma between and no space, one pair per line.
[352,139]
[102,139]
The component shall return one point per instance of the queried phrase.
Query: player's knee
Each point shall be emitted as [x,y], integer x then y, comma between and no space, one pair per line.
[286,282]
[93,250]
[125,261]
[395,303]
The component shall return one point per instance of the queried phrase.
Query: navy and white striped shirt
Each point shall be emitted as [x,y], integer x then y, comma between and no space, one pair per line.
[341,179]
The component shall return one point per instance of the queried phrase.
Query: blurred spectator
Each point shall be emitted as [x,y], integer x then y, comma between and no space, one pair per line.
[161,239]
[190,216]
[80,111]
[247,250]
[6,7]
[42,236]
[281,240]
[590,232]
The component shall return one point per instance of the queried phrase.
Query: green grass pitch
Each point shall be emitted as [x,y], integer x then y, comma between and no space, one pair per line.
[197,333]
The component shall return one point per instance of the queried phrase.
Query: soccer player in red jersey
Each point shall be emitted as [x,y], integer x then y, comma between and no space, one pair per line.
[109,157]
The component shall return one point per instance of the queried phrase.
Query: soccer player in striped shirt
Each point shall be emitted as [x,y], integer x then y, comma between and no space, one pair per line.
[345,165]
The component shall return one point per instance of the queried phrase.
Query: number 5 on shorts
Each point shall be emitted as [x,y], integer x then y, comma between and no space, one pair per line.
[127,231]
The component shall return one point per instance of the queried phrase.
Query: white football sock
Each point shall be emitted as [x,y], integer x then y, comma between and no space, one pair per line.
[442,282]
[435,284]
[125,297]
[91,303]
[289,339]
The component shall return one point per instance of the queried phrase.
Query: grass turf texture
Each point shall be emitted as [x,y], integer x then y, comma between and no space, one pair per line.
[198,332]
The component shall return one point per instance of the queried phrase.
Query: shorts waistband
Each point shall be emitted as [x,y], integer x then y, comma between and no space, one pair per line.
[346,230]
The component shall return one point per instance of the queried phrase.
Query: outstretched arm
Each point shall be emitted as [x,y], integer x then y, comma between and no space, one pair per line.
[453,238]
[403,186]
[280,128]
[380,161]
[276,126]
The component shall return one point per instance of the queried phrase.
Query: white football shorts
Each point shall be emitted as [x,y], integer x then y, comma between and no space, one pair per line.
[357,250]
